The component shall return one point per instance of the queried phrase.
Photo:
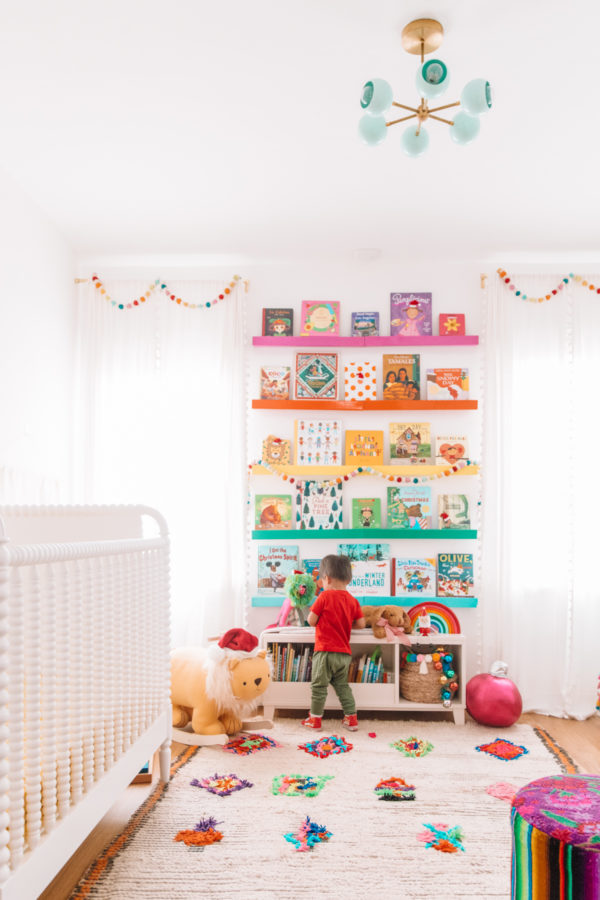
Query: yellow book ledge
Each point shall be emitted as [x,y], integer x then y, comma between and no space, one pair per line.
[333,471]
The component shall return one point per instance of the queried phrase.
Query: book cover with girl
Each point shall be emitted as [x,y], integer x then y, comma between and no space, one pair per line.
[277,322]
[410,314]
[401,376]
[455,574]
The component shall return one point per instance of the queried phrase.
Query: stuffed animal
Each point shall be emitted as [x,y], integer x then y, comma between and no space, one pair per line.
[217,687]
[387,621]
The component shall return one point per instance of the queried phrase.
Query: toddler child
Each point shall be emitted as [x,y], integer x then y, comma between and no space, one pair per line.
[333,614]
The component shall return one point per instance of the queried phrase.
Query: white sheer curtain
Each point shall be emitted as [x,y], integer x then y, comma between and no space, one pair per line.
[160,420]
[541,597]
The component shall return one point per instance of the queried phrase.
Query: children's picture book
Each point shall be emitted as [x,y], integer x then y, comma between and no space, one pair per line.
[277,322]
[320,318]
[364,448]
[275,383]
[360,381]
[370,569]
[401,376]
[272,511]
[316,376]
[409,506]
[276,451]
[364,324]
[450,448]
[410,442]
[455,574]
[410,314]
[318,442]
[366,512]
[275,563]
[318,506]
[453,511]
[447,384]
[309,565]
[414,577]
[451,324]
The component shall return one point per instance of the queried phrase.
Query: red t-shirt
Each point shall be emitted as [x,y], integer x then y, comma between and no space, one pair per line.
[337,610]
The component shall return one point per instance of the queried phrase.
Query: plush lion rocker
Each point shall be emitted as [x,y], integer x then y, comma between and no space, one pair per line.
[389,623]
[217,687]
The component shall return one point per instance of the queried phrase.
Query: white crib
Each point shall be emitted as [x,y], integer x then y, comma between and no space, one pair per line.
[84,676]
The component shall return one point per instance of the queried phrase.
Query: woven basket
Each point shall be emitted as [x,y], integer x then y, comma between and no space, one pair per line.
[420,688]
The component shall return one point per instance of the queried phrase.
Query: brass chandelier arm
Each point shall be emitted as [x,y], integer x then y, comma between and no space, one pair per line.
[403,119]
[439,119]
[447,106]
[402,106]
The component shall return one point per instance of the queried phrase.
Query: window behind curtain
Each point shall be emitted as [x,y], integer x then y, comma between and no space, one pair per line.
[160,413]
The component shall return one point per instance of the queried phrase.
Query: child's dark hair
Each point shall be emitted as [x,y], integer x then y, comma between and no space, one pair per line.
[339,568]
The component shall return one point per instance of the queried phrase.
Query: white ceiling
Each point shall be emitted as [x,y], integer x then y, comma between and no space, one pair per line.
[183,126]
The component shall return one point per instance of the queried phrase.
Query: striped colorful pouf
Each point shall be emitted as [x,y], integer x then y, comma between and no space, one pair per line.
[556,839]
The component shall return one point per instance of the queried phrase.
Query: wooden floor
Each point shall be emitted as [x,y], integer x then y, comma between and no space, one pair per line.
[581,740]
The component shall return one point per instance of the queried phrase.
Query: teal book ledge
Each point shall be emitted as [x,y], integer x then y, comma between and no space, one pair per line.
[364,535]
[451,602]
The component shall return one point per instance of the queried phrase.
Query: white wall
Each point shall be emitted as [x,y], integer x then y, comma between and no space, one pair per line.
[367,286]
[36,352]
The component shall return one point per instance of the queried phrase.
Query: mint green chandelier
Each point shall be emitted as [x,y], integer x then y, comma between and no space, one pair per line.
[422,37]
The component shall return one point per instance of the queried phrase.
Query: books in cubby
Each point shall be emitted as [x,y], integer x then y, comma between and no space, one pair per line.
[275,563]
[318,442]
[455,574]
[414,577]
[447,384]
[364,448]
[410,442]
[451,323]
[277,322]
[401,376]
[366,512]
[409,506]
[360,381]
[272,511]
[368,668]
[410,314]
[275,383]
[453,511]
[316,376]
[318,506]
[364,324]
[370,568]
[449,448]
[291,662]
[320,318]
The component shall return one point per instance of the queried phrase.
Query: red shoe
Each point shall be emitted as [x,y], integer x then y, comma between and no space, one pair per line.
[350,722]
[312,721]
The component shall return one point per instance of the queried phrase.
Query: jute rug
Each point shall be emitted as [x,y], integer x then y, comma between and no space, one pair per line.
[374,849]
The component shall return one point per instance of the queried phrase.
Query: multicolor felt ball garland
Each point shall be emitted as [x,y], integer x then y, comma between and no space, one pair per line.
[553,293]
[367,470]
[161,285]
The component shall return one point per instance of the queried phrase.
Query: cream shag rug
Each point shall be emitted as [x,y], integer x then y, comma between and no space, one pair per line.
[374,850]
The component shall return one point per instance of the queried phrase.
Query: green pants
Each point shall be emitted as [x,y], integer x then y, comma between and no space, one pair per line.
[331,669]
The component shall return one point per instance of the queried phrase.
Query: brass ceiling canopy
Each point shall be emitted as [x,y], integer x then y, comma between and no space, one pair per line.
[422,36]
